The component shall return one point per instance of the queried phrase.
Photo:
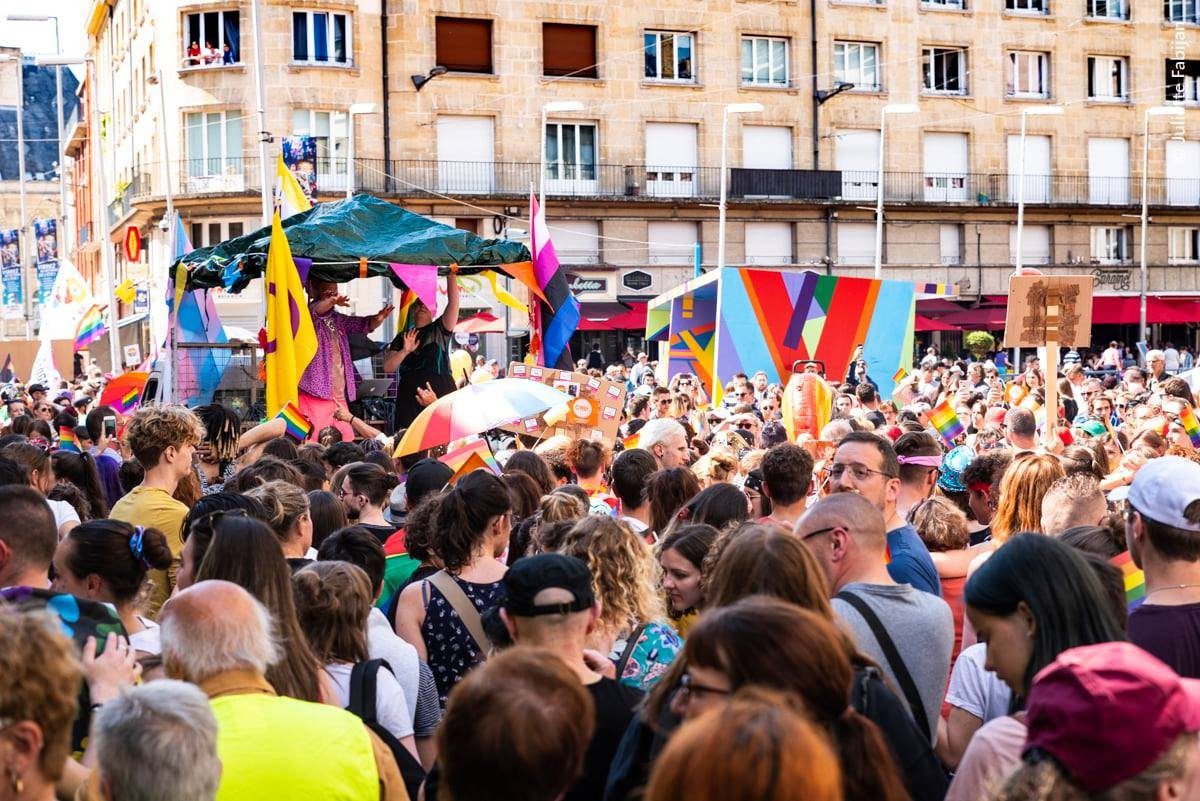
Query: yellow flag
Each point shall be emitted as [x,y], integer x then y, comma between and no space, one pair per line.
[125,292]
[291,338]
[503,295]
[289,198]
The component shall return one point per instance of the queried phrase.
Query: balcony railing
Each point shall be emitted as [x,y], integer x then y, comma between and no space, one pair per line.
[425,177]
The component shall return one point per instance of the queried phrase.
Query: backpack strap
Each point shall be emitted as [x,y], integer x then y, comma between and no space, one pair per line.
[363,681]
[894,660]
[627,652]
[461,604]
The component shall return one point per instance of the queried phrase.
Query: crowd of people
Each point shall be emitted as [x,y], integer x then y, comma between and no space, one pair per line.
[194,607]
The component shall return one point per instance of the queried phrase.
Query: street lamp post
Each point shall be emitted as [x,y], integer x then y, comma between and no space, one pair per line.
[891,108]
[553,107]
[731,108]
[355,110]
[22,233]
[1155,111]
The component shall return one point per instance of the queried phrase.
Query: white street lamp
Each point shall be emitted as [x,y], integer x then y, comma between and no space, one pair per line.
[731,108]
[1155,111]
[891,108]
[553,107]
[355,110]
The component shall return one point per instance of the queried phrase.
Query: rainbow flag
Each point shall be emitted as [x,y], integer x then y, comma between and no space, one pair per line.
[124,392]
[946,421]
[1135,579]
[631,441]
[407,299]
[298,426]
[1191,425]
[67,441]
[899,375]
[91,327]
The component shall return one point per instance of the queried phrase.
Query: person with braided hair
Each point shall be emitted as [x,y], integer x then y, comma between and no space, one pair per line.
[107,561]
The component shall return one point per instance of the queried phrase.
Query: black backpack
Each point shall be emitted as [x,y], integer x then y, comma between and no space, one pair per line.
[363,679]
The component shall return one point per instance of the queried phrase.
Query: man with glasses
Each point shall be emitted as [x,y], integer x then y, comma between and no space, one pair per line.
[660,402]
[910,634]
[866,464]
[1156,363]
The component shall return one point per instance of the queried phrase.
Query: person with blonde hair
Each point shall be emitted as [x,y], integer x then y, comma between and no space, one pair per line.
[760,746]
[1022,489]
[288,510]
[163,438]
[716,467]
[632,630]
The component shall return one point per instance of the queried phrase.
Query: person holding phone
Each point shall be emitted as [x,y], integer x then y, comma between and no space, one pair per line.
[101,424]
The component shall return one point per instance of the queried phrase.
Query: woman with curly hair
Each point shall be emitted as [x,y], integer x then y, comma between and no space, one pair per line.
[632,629]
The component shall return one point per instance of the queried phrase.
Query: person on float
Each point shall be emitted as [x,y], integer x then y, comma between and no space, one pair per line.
[421,354]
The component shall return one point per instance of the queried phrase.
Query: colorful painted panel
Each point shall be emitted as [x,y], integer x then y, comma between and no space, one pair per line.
[692,343]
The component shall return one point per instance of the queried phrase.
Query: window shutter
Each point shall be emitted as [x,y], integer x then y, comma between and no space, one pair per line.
[569,50]
[464,45]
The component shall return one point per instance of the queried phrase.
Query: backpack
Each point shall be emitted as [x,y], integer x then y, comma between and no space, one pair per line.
[363,678]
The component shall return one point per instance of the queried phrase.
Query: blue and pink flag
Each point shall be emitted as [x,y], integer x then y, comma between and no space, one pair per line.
[558,316]
[199,373]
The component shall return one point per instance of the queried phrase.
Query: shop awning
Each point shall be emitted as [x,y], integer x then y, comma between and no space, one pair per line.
[928,324]
[626,316]
[1124,310]
[984,318]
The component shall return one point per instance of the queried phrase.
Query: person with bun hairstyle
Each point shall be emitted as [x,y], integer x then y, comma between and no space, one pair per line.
[471,525]
[107,561]
[288,516]
[365,492]
[333,600]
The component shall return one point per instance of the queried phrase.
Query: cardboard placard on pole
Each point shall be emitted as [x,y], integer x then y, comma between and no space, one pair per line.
[1050,311]
[593,413]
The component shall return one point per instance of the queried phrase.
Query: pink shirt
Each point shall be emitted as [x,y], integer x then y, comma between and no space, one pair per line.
[321,379]
[991,756]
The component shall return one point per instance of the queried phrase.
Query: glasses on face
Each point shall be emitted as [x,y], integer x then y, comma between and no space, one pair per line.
[818,533]
[689,687]
[663,401]
[209,522]
[860,472]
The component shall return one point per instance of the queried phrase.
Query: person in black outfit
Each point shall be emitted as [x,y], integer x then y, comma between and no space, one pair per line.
[595,358]
[421,354]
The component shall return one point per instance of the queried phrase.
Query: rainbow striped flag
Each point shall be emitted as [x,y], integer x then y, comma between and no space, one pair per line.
[91,327]
[1191,425]
[899,375]
[946,421]
[67,441]
[631,441]
[298,426]
[1135,579]
[407,299]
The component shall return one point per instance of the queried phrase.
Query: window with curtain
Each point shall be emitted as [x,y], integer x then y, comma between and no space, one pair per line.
[214,143]
[320,37]
[206,35]
[944,70]
[1108,9]
[330,129]
[1183,81]
[1108,78]
[1028,74]
[569,50]
[570,151]
[1184,247]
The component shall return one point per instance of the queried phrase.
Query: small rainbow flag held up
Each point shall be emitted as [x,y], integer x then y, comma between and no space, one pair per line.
[298,426]
[407,299]
[1135,580]
[631,441]
[91,327]
[67,441]
[124,392]
[946,421]
[899,375]
[1187,418]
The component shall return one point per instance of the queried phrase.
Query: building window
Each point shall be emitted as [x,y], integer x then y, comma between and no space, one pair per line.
[320,37]
[1108,78]
[958,4]
[577,241]
[857,63]
[1183,81]
[329,128]
[207,233]
[569,50]
[856,157]
[1108,171]
[212,38]
[768,243]
[950,243]
[1183,245]
[944,70]
[764,61]
[1028,74]
[672,242]
[856,243]
[464,45]
[1108,9]
[1110,245]
[1035,244]
[214,143]
[947,167]
[1182,11]
[669,56]
[672,159]
[1028,6]
[1183,172]
[571,158]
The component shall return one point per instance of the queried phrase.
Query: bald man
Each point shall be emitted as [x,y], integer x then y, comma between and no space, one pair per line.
[220,638]
[909,633]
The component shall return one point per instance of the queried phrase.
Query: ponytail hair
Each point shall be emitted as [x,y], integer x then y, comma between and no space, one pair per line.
[463,515]
[81,470]
[285,504]
[372,481]
[120,554]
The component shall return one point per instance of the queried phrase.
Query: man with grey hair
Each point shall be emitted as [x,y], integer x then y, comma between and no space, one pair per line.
[220,638]
[666,440]
[1020,426]
[1074,500]
[157,742]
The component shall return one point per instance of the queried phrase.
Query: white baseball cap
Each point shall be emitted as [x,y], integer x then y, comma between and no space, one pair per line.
[1162,490]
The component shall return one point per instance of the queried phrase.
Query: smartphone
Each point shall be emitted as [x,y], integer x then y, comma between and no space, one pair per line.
[110,427]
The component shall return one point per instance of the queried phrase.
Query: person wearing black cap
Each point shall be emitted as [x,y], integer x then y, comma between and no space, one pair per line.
[37,393]
[550,604]
[426,477]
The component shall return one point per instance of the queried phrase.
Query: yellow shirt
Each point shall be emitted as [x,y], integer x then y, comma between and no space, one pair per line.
[155,508]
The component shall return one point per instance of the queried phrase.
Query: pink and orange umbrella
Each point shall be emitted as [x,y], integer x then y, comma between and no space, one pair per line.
[477,408]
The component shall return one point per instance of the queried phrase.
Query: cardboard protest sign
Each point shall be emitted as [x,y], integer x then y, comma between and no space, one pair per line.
[593,413]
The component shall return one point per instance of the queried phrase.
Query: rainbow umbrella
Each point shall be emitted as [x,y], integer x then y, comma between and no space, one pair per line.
[124,392]
[477,408]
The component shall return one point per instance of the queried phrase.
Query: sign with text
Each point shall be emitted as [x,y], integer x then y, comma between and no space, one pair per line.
[45,233]
[1045,307]
[10,269]
[594,411]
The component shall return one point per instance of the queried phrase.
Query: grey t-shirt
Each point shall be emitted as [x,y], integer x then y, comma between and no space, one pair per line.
[921,626]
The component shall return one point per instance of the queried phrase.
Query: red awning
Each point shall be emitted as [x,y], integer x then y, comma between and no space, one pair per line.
[983,318]
[928,324]
[627,316]
[1124,310]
